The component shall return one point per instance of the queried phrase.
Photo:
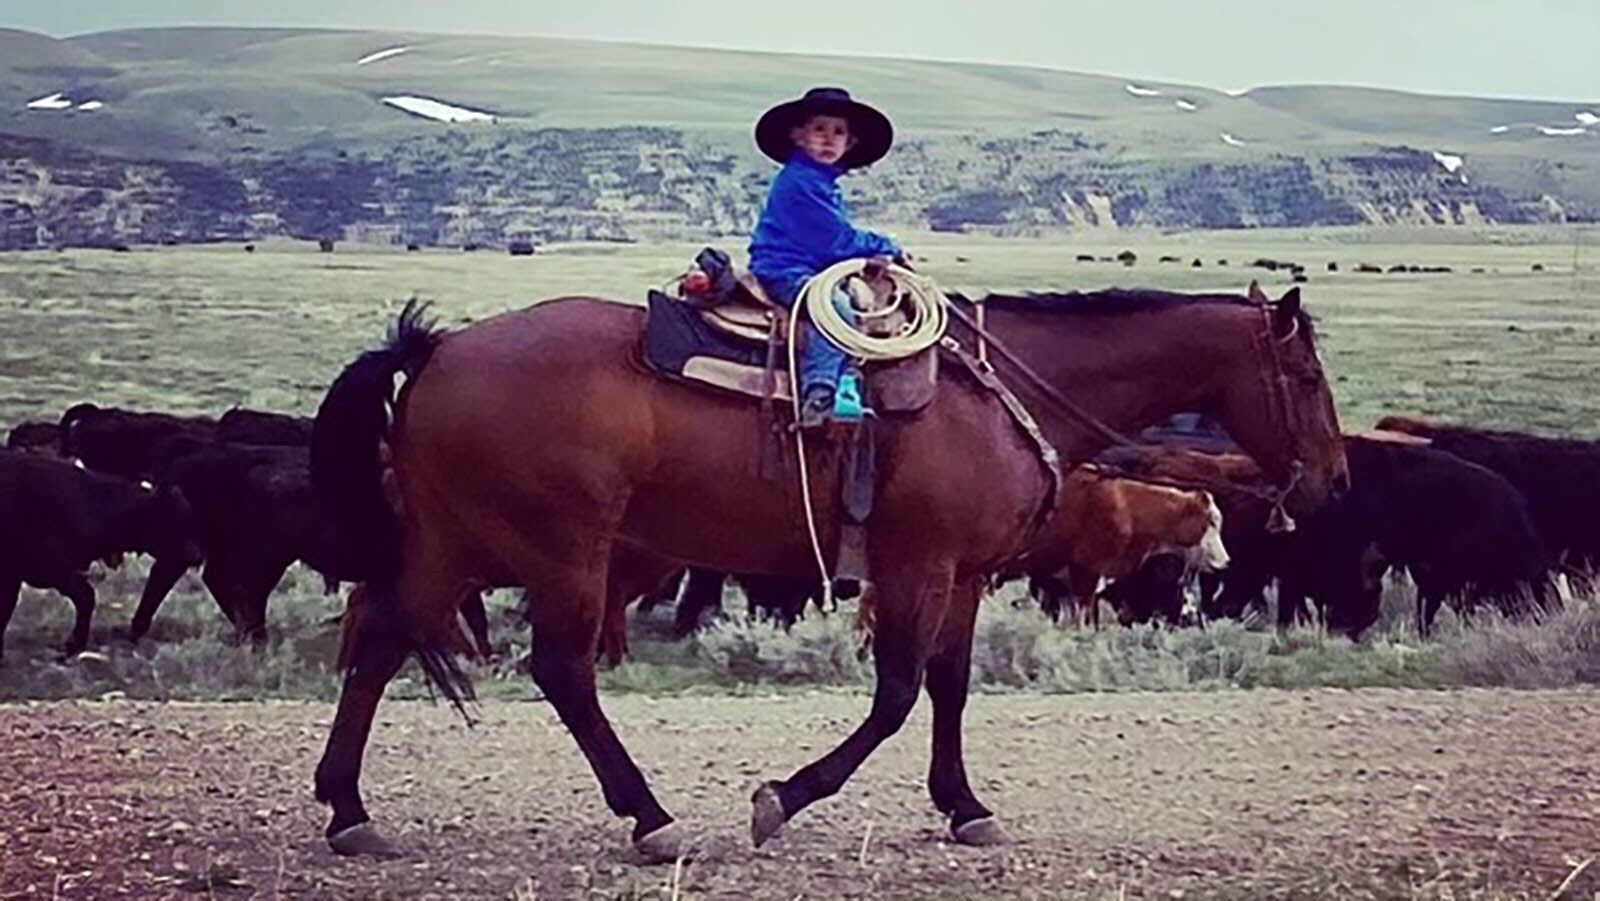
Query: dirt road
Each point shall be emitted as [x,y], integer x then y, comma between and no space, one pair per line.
[1326,793]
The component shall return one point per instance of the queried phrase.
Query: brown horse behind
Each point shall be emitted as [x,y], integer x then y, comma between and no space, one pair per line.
[529,449]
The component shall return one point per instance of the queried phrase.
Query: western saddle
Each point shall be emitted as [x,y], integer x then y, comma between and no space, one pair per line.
[727,333]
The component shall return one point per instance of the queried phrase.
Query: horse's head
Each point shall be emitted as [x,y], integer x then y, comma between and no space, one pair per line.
[1277,405]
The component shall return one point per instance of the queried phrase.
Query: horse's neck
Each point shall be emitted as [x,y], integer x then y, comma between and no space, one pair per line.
[1127,371]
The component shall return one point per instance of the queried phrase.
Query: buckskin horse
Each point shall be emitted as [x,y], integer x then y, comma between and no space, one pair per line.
[531,449]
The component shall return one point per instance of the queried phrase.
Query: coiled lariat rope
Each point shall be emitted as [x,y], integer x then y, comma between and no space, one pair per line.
[925,307]
[927,316]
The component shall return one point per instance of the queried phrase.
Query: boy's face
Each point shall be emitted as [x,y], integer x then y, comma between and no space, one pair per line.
[825,138]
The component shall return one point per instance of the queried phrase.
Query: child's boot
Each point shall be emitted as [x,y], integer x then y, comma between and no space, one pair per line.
[847,405]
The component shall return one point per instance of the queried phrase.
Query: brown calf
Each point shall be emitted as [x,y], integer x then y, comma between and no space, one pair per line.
[1108,526]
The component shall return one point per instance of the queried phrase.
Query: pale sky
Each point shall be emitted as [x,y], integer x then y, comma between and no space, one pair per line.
[1547,49]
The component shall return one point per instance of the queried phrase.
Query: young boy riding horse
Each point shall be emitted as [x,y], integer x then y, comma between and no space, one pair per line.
[804,227]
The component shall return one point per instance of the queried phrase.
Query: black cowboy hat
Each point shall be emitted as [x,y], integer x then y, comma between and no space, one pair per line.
[870,128]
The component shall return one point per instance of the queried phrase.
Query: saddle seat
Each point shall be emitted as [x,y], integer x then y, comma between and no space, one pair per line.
[749,314]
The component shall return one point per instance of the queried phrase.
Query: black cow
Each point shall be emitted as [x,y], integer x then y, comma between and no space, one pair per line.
[1152,593]
[137,444]
[1459,528]
[131,444]
[247,478]
[1559,478]
[242,426]
[782,599]
[56,519]
[35,438]
[255,514]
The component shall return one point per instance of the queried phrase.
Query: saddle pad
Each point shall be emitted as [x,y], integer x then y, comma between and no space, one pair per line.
[736,377]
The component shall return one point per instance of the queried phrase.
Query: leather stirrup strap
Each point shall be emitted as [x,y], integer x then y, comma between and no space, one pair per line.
[771,464]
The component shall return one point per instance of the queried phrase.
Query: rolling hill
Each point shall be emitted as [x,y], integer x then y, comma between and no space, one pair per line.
[198,134]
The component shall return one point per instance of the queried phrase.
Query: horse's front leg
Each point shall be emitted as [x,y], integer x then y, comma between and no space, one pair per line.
[949,670]
[910,604]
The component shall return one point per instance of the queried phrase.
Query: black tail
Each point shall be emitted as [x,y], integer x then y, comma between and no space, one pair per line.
[346,471]
[347,475]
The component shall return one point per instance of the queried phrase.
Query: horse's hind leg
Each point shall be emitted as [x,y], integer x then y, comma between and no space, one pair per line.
[910,605]
[378,626]
[371,652]
[949,669]
[566,613]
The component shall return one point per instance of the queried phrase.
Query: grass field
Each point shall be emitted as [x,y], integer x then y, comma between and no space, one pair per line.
[197,330]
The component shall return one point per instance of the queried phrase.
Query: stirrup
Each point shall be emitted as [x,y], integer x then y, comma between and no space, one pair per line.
[847,405]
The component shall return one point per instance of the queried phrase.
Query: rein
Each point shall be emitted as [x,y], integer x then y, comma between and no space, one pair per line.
[1276,382]
[1083,417]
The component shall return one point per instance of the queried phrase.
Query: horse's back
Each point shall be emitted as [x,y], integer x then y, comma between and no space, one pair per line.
[555,327]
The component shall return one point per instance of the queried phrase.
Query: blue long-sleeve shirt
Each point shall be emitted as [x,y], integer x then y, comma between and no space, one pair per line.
[804,228]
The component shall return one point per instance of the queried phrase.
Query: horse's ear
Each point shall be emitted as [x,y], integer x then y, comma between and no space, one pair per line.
[1286,313]
[1255,293]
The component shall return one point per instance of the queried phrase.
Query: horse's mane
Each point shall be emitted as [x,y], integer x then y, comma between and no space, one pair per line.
[1116,302]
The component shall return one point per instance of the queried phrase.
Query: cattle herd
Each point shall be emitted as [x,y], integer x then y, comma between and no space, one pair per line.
[1475,516]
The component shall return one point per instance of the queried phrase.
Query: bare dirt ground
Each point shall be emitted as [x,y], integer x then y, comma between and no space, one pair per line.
[1238,794]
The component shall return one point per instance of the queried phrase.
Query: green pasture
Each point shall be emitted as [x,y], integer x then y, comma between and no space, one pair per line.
[199,329]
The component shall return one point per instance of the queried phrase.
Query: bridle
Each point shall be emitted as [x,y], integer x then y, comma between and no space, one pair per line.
[1275,379]
[1281,409]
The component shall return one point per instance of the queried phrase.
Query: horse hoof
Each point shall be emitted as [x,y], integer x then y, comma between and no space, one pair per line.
[665,845]
[766,815]
[984,832]
[362,840]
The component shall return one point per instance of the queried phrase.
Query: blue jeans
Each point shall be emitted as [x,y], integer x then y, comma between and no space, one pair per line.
[821,361]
